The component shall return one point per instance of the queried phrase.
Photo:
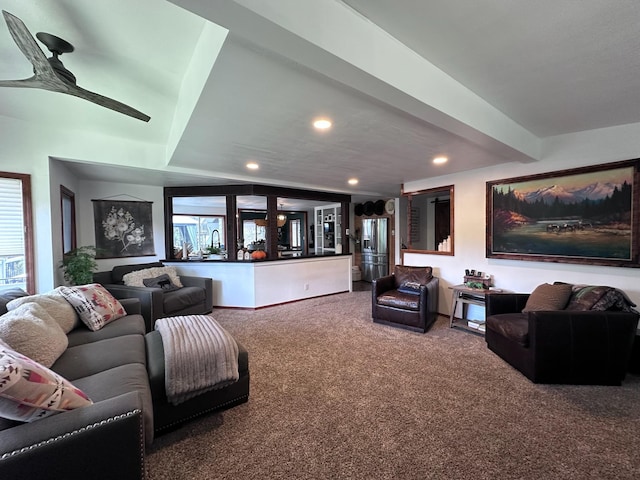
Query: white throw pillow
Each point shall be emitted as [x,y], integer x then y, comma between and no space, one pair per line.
[136,279]
[31,331]
[55,305]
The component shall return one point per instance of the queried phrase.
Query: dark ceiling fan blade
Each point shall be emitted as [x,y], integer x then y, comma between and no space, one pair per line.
[106,102]
[47,78]
[24,83]
[45,82]
[27,45]
[69,89]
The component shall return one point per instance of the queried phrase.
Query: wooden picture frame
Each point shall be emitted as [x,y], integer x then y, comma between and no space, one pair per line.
[68,216]
[586,215]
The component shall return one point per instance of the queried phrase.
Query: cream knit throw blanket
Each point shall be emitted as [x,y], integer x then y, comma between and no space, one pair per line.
[199,356]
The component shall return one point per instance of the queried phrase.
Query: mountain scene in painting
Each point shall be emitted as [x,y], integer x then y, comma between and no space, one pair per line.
[583,215]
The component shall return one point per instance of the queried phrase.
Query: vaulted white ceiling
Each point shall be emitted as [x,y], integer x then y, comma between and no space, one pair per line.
[226,82]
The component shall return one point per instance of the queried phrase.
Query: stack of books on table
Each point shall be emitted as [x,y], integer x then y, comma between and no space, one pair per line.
[476,325]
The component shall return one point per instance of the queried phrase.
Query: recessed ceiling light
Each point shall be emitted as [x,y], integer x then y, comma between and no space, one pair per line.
[322,124]
[353,181]
[439,160]
[253,166]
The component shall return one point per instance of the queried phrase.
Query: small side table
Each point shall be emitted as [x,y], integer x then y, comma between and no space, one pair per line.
[465,296]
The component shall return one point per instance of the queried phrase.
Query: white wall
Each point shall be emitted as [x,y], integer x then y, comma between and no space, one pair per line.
[59,174]
[566,151]
[21,153]
[25,148]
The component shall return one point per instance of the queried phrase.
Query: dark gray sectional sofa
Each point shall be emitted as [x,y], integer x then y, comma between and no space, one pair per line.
[122,370]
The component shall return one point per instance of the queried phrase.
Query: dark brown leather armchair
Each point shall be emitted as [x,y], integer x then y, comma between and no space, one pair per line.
[562,346]
[416,310]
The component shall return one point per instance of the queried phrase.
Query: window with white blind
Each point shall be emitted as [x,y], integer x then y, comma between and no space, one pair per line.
[16,249]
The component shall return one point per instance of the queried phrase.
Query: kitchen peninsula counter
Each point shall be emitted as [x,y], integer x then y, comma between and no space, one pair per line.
[260,283]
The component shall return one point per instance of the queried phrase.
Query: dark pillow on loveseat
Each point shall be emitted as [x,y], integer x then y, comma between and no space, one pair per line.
[547,297]
[162,281]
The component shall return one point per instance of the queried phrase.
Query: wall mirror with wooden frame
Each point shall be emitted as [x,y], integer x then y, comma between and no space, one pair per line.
[426,221]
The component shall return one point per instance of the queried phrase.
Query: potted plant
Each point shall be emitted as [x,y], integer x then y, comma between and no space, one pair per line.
[79,265]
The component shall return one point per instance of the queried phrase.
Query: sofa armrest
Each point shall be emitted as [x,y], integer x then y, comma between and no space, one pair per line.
[379,286]
[102,441]
[151,300]
[429,296]
[383,284]
[497,303]
[131,306]
[202,282]
[589,344]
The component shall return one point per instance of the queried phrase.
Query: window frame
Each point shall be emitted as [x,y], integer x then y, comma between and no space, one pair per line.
[27,218]
[68,225]
[199,236]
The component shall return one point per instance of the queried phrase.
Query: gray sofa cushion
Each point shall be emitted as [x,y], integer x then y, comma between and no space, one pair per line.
[183,298]
[116,381]
[88,359]
[129,325]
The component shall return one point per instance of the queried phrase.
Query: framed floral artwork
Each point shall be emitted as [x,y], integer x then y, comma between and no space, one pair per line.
[587,215]
[123,228]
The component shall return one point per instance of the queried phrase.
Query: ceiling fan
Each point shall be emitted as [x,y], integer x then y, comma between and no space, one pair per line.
[49,73]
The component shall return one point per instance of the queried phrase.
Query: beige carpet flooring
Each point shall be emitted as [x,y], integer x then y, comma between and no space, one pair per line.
[334,396]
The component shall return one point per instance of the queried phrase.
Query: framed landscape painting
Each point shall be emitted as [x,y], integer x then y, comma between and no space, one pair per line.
[584,215]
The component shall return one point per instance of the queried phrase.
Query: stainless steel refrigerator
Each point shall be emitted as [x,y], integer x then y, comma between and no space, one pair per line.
[375,249]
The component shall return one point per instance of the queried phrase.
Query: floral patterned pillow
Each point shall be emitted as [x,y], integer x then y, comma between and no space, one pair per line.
[30,391]
[94,304]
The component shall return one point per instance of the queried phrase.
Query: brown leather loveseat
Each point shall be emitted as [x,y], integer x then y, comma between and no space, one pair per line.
[570,334]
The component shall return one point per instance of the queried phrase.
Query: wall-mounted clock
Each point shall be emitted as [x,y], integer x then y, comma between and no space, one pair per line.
[390,206]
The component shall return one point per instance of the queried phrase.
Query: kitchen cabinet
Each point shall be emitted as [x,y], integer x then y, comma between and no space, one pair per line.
[328,229]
